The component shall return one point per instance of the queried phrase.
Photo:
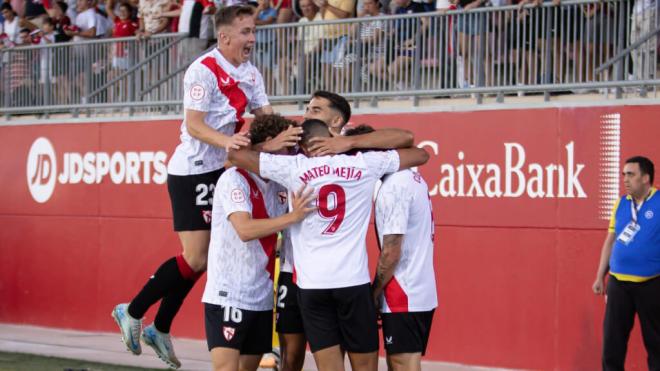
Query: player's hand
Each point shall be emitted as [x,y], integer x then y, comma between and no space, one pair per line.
[300,203]
[286,139]
[598,287]
[237,141]
[329,146]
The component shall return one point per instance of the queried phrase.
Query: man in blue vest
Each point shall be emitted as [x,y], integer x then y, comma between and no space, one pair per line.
[631,254]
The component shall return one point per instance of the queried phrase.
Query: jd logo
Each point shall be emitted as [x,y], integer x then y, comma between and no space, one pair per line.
[41,170]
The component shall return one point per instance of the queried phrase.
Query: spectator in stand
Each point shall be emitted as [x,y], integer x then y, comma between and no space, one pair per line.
[35,12]
[61,56]
[124,26]
[19,74]
[372,34]
[150,17]
[58,14]
[103,21]
[334,41]
[84,28]
[85,23]
[405,31]
[11,25]
[308,39]
[265,42]
[46,37]
[284,11]
[72,9]
[121,53]
[643,20]
[284,45]
[469,28]
[195,19]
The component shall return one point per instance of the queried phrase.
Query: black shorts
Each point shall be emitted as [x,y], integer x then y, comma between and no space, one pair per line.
[406,332]
[288,317]
[192,199]
[344,316]
[249,331]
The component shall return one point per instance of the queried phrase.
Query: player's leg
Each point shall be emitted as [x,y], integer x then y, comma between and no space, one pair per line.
[293,351]
[329,359]
[191,208]
[225,359]
[258,327]
[405,336]
[226,332]
[321,324]
[357,318]
[405,362]
[289,325]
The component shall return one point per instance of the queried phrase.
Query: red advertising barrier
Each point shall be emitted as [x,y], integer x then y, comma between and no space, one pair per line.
[521,202]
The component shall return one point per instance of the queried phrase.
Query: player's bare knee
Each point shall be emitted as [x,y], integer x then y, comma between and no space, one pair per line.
[195,260]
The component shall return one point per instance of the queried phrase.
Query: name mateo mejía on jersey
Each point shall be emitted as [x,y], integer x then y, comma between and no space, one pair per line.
[517,179]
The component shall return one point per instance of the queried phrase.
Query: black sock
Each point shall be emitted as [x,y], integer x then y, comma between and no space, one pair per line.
[171,304]
[166,279]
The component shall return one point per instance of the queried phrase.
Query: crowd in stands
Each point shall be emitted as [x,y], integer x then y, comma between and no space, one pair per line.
[389,46]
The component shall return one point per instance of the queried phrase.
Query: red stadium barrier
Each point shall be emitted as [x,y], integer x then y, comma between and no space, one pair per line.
[521,201]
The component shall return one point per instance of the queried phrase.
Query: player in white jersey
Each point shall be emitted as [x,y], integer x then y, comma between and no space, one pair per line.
[218,87]
[329,246]
[248,211]
[335,111]
[404,284]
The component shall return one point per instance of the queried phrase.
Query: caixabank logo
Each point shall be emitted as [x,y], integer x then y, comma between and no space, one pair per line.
[45,169]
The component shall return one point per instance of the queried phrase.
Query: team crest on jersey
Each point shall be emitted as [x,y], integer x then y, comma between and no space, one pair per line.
[648,214]
[238,196]
[225,81]
[417,177]
[281,195]
[255,194]
[388,340]
[206,214]
[197,92]
[228,332]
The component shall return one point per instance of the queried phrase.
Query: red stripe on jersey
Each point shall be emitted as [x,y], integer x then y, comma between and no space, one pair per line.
[395,297]
[295,276]
[229,87]
[268,243]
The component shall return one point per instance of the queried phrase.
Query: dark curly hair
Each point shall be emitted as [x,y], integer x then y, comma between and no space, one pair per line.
[266,126]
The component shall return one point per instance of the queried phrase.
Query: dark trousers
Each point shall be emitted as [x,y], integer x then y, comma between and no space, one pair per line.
[624,299]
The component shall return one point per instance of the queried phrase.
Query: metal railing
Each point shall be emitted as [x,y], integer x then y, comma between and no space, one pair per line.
[580,46]
[67,77]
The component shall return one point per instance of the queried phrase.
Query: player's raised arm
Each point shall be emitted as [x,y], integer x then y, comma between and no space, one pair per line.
[379,139]
[245,158]
[198,129]
[411,157]
[249,229]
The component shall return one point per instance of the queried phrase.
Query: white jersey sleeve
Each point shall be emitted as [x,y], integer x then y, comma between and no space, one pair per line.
[199,85]
[392,208]
[259,99]
[382,162]
[279,168]
[234,195]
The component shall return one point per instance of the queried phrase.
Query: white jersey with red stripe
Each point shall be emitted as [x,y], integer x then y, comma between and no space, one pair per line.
[213,85]
[329,245]
[240,274]
[403,207]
